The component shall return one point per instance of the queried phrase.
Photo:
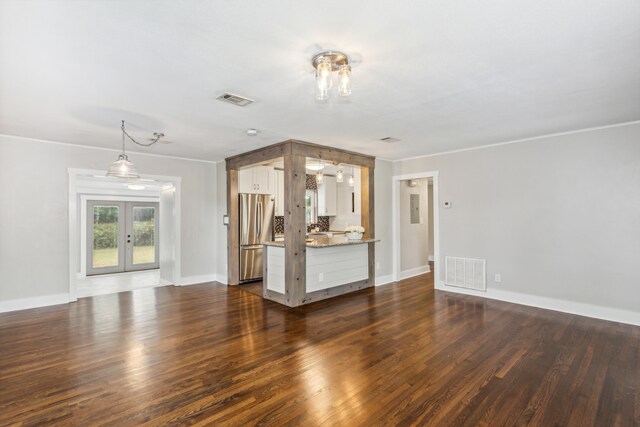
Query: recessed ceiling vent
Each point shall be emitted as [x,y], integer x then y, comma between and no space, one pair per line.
[389,139]
[238,100]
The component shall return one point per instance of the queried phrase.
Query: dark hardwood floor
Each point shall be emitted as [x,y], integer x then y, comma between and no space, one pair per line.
[253,287]
[397,354]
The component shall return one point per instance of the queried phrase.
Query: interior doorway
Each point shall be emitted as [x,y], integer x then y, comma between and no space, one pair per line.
[416,238]
[416,229]
[122,236]
[145,211]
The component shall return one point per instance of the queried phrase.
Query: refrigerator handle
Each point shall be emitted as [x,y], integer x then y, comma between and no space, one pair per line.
[259,220]
[243,223]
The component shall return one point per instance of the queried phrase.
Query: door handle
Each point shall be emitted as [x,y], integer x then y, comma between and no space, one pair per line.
[259,219]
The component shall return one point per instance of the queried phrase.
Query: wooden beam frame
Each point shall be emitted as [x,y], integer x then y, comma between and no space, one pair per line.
[294,153]
[295,229]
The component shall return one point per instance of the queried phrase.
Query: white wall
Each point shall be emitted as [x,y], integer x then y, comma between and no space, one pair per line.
[34,238]
[383,213]
[558,217]
[414,238]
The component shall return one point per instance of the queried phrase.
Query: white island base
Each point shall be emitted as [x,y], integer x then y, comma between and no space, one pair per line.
[331,269]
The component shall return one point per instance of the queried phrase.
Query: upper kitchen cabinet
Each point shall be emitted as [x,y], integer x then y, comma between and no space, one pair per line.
[327,197]
[257,180]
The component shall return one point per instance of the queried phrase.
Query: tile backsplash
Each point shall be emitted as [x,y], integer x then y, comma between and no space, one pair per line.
[323,224]
[278,225]
[311,183]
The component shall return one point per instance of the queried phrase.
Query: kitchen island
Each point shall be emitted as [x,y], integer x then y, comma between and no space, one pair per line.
[334,265]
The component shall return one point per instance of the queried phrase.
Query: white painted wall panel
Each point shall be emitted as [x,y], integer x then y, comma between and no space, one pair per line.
[275,269]
[339,265]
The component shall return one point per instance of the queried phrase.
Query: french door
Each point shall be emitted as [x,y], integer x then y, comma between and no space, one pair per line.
[121,236]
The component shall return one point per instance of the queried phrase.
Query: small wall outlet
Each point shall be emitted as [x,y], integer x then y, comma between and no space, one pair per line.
[498,278]
[321,277]
[377,266]
[446,205]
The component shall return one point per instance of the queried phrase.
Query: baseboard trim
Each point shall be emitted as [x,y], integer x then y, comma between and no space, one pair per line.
[165,282]
[222,278]
[564,306]
[383,280]
[196,280]
[415,271]
[33,302]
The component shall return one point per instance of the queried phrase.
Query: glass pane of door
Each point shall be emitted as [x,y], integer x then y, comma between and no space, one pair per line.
[106,231]
[143,235]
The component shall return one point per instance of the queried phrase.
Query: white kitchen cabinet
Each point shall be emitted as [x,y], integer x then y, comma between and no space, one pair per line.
[327,197]
[256,180]
[279,185]
[245,181]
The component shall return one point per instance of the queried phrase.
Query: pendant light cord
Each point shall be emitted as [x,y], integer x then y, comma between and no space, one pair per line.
[142,144]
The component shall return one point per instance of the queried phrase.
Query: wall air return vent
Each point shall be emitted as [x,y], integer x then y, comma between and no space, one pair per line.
[465,273]
[238,100]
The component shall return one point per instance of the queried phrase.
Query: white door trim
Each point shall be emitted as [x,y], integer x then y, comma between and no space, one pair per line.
[436,222]
[171,182]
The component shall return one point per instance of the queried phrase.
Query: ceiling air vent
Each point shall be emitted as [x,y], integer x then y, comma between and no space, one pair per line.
[235,99]
[389,139]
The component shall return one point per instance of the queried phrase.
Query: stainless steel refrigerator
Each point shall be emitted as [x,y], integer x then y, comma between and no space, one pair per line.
[256,227]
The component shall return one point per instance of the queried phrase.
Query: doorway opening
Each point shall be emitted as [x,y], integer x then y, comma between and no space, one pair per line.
[416,226]
[123,235]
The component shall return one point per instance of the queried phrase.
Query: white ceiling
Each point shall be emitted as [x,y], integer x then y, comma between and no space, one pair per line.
[440,75]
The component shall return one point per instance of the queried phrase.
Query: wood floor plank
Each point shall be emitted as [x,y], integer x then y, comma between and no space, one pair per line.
[401,354]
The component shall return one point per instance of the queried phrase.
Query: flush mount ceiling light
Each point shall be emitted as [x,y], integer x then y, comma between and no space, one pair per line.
[325,64]
[123,168]
[136,187]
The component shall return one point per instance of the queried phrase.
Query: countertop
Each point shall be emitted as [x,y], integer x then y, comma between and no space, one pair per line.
[326,242]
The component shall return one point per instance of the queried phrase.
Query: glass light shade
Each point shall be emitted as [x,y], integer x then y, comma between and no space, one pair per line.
[344,80]
[351,181]
[123,168]
[322,94]
[319,178]
[323,79]
[339,176]
[316,166]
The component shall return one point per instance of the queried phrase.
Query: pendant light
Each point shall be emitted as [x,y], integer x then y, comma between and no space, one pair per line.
[339,176]
[123,168]
[351,179]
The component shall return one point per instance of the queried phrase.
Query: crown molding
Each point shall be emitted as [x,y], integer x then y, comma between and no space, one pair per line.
[67,144]
[517,141]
